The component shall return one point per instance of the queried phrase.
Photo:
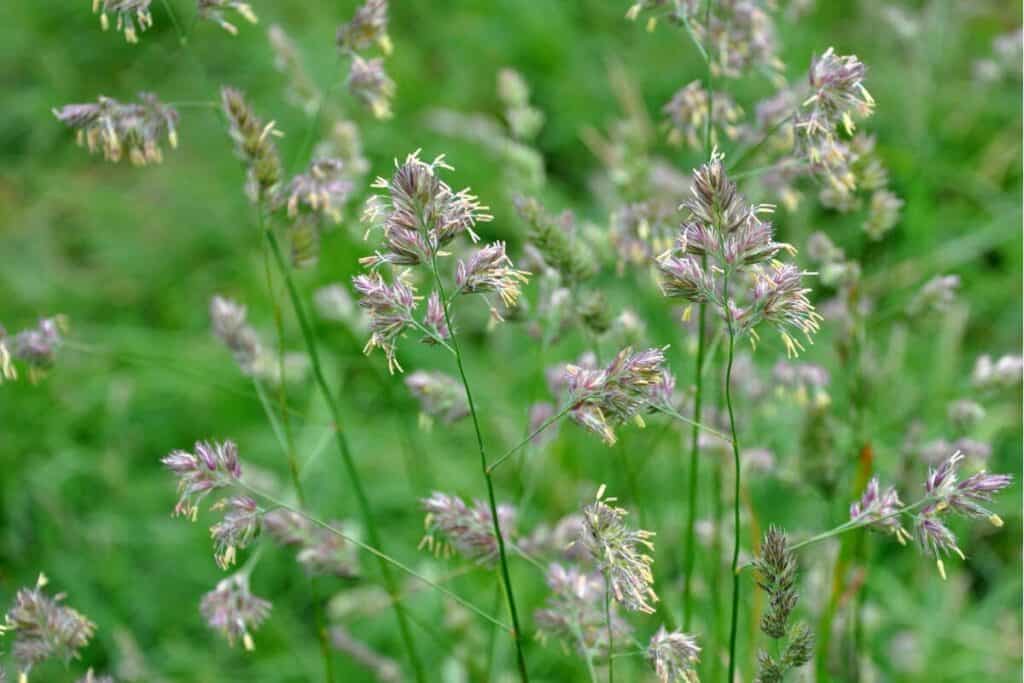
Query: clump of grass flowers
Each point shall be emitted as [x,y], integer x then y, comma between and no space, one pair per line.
[776,569]
[115,127]
[44,628]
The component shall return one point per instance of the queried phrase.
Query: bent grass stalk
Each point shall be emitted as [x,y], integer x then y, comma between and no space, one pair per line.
[736,489]
[344,450]
[491,500]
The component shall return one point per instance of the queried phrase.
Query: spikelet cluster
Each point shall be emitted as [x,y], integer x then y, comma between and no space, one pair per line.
[218,11]
[723,239]
[687,116]
[135,130]
[37,347]
[674,656]
[603,398]
[776,576]
[320,552]
[44,628]
[254,145]
[574,614]
[451,524]
[131,17]
[440,396]
[233,610]
[620,553]
[367,81]
[228,324]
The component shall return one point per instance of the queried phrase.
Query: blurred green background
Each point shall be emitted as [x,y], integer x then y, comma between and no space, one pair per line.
[132,256]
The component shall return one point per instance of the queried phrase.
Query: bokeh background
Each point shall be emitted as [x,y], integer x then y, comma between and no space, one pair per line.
[132,256]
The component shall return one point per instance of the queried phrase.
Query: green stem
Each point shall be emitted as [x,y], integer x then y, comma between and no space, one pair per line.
[736,489]
[345,452]
[753,149]
[282,429]
[691,516]
[492,501]
[384,558]
[608,622]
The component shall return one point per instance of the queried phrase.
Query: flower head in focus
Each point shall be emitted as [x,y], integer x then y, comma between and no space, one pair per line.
[213,466]
[674,656]
[469,530]
[131,17]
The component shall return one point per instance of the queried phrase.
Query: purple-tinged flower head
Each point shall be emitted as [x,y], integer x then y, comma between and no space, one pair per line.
[419,213]
[559,377]
[489,269]
[780,299]
[884,211]
[131,17]
[434,319]
[116,127]
[369,83]
[574,612]
[44,628]
[254,145]
[390,307]
[1003,373]
[741,37]
[935,296]
[36,347]
[440,396]
[450,523]
[683,277]
[803,380]
[674,656]
[212,466]
[839,95]
[322,190]
[935,540]
[619,553]
[217,11]
[227,318]
[236,530]
[320,551]
[369,26]
[232,609]
[752,242]
[881,509]
[963,497]
[687,115]
[611,396]
[716,200]
[965,414]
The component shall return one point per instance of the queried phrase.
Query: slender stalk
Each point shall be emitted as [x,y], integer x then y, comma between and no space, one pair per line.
[283,431]
[608,622]
[344,451]
[750,151]
[736,489]
[383,557]
[491,500]
[689,544]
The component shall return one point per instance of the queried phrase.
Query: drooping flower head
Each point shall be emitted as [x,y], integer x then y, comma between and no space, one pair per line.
[390,307]
[131,17]
[674,656]
[236,530]
[489,269]
[115,127]
[44,628]
[620,553]
[469,530]
[217,12]
[233,610]
[213,466]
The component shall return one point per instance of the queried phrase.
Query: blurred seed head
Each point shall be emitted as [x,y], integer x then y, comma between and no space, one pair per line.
[368,27]
[620,553]
[320,551]
[117,128]
[883,214]
[228,320]
[44,628]
[217,11]
[687,115]
[301,90]
[1003,373]
[574,612]
[233,610]
[131,17]
[440,396]
[557,241]
[965,414]
[935,296]
[322,190]
[450,523]
[369,83]
[254,145]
